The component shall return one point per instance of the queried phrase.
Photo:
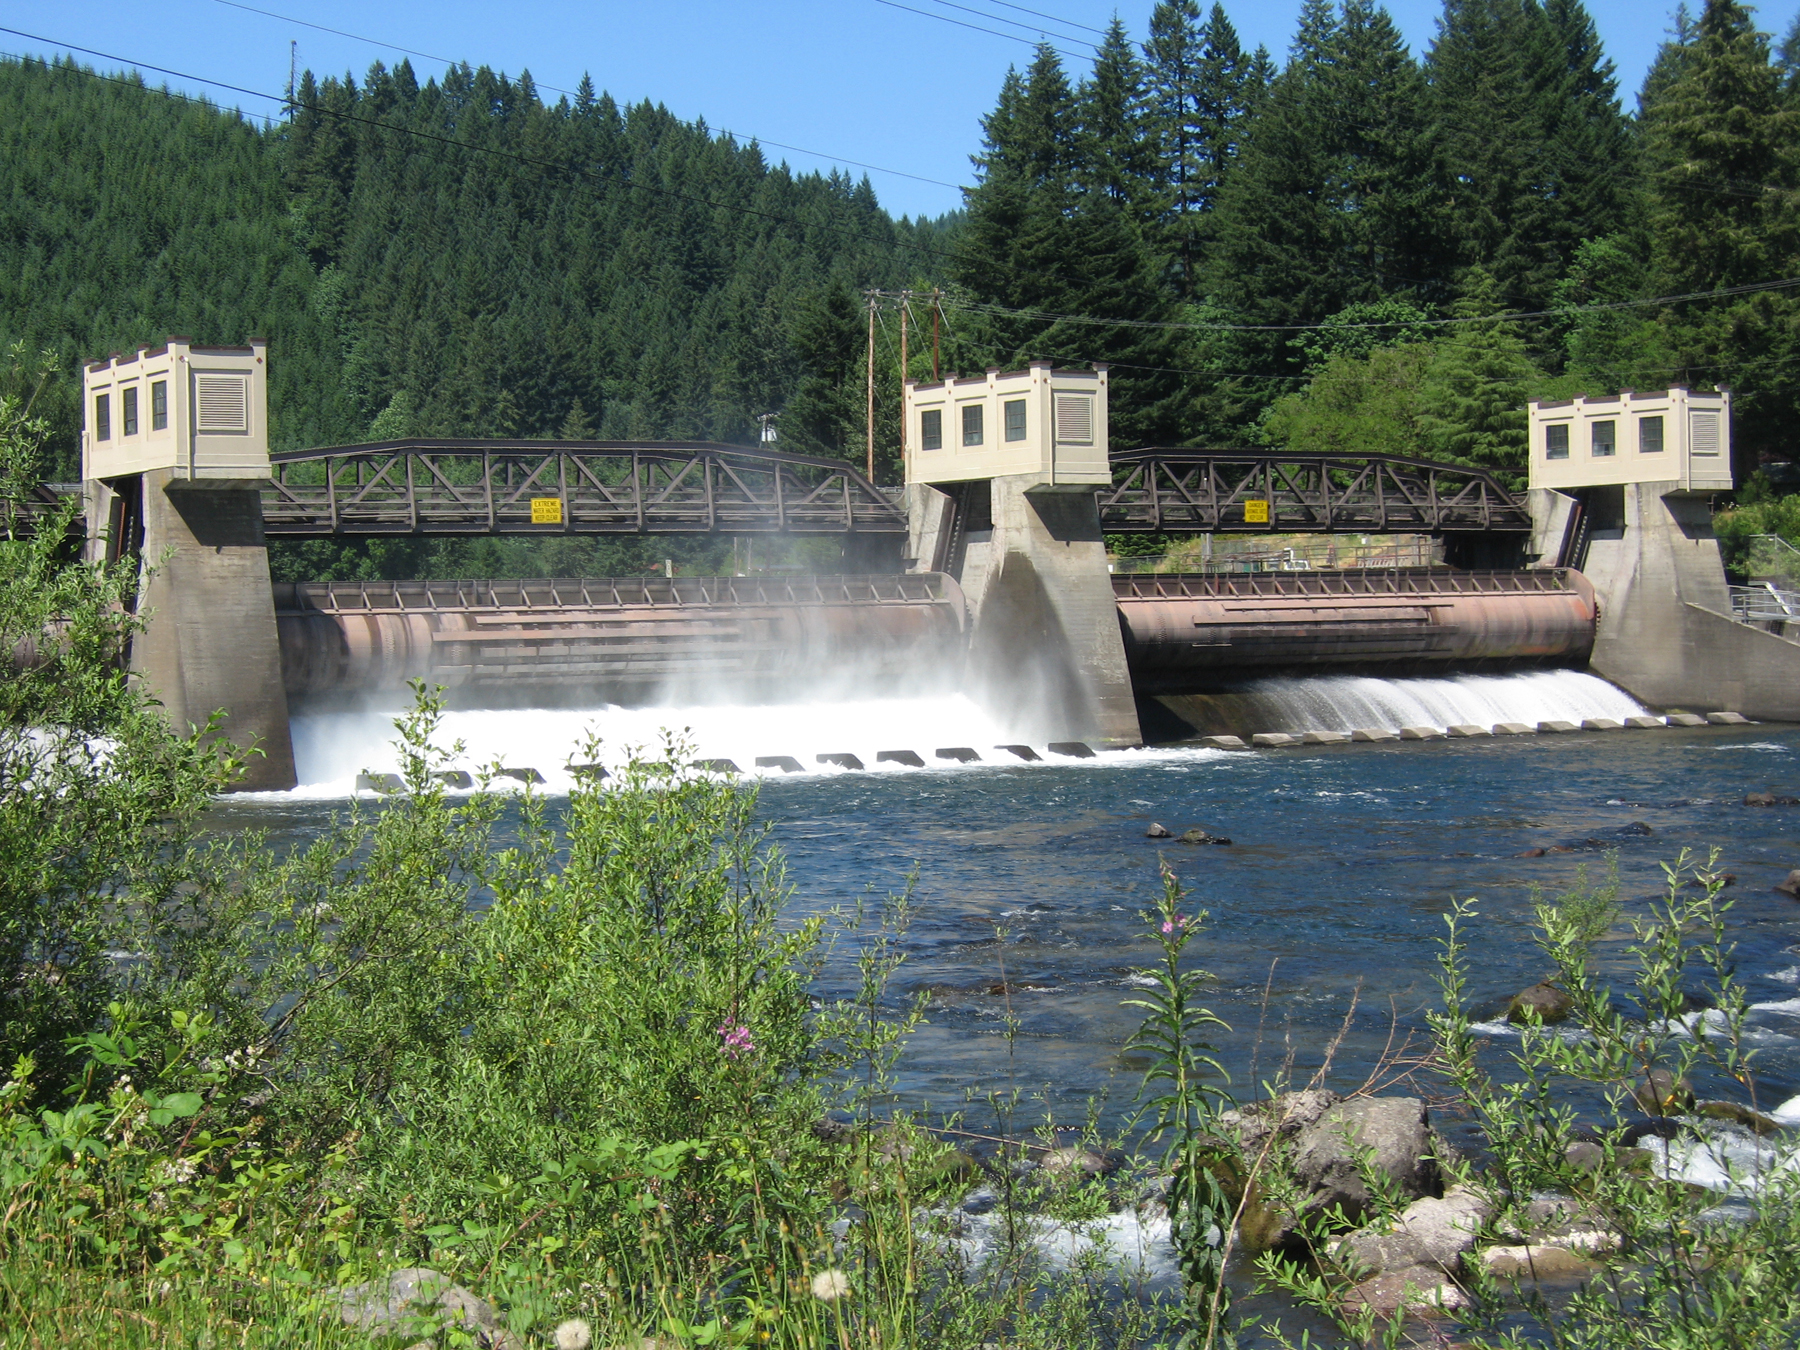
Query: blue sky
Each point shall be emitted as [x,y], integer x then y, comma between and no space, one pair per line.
[838,81]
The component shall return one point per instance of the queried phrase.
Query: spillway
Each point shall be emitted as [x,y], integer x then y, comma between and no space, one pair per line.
[1191,633]
[583,642]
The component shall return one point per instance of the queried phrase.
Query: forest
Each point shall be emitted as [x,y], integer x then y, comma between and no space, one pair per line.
[1349,248]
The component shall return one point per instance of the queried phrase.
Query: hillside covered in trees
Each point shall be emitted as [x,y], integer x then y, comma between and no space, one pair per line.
[1348,248]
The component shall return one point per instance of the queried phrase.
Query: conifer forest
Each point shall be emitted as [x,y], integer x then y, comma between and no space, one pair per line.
[1344,246]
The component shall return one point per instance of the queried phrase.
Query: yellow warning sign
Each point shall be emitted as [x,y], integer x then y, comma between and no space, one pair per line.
[548,511]
[1256,512]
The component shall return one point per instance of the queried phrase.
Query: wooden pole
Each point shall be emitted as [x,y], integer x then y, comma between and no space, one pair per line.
[905,297]
[871,428]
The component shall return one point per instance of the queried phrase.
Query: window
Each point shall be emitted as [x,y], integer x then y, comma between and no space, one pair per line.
[931,429]
[1556,441]
[1602,444]
[159,406]
[971,424]
[128,409]
[1703,433]
[1015,419]
[102,418]
[1650,440]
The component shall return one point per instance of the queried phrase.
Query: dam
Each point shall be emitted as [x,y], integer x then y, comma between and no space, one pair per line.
[983,582]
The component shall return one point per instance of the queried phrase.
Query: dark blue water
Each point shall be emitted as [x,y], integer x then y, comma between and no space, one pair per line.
[1328,903]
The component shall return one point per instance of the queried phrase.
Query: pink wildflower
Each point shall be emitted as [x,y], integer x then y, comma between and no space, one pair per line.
[1180,921]
[735,1040]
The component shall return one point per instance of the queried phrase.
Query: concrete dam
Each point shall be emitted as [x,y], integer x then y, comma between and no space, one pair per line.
[986,576]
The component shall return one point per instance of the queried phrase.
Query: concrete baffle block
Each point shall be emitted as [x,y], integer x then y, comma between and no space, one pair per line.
[1367,734]
[840,761]
[786,763]
[1514,729]
[1558,725]
[1071,749]
[384,783]
[1601,724]
[210,644]
[1324,737]
[1465,730]
[1024,752]
[716,766]
[1223,742]
[1273,740]
[1640,722]
[962,754]
[1686,720]
[532,777]
[1421,734]
[1727,719]
[910,758]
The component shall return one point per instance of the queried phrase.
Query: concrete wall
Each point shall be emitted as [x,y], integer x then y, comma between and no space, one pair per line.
[1665,631]
[211,642]
[1045,649]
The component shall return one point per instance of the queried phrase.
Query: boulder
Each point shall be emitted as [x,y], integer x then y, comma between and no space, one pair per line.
[1792,885]
[1076,1162]
[1200,836]
[1660,1093]
[1157,831]
[1530,853]
[419,1302]
[1398,1131]
[1739,1114]
[1759,799]
[1543,1002]
[1534,1261]
[1430,1232]
[1423,1290]
[1285,1116]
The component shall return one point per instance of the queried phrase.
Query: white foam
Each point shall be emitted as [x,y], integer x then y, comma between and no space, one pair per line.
[1352,702]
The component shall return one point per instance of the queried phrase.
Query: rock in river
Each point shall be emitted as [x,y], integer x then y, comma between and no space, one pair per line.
[1544,1002]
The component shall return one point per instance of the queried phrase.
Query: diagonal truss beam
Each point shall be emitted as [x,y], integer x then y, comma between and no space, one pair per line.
[439,487]
[1183,490]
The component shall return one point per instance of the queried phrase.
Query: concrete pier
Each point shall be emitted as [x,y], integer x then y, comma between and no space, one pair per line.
[211,643]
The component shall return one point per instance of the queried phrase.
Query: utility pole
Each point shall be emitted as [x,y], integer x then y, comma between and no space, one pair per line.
[905,299]
[874,299]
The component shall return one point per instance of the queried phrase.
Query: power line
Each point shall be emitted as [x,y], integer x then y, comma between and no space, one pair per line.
[1067,23]
[1028,27]
[995,32]
[429,56]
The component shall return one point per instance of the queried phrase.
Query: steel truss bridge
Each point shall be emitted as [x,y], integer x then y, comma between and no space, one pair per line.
[482,487]
[1184,491]
[568,487]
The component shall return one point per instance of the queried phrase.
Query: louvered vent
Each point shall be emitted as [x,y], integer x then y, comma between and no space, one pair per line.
[1074,419]
[222,403]
[1703,433]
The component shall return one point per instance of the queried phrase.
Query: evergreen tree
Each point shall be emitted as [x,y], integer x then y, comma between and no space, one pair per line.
[1721,141]
[1472,403]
